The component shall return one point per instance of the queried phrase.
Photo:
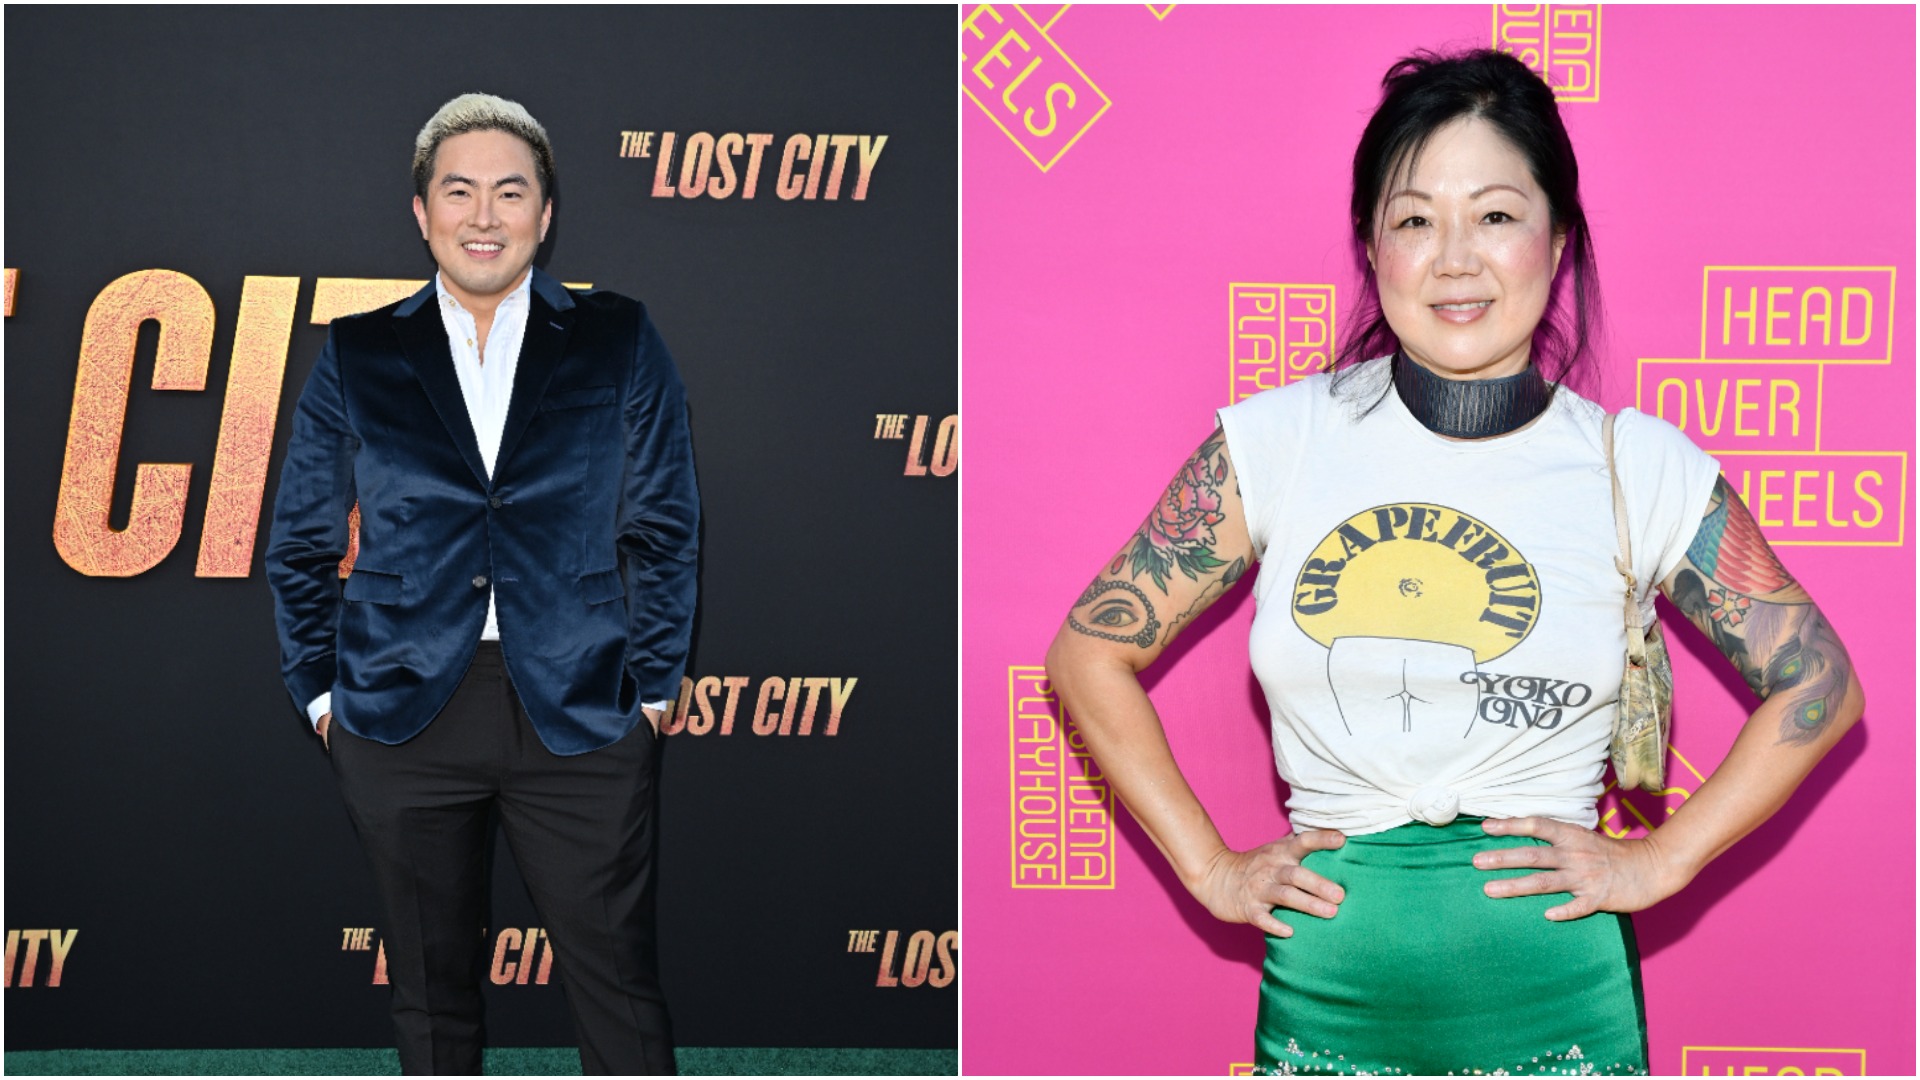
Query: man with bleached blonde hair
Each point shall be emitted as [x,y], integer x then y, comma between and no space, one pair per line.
[518,612]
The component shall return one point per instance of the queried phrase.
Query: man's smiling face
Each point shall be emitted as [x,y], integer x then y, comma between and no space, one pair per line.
[484,215]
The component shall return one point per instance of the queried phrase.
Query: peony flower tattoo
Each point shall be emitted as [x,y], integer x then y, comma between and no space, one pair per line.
[1179,532]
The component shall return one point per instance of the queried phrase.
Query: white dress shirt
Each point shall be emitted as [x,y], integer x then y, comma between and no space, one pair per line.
[486,382]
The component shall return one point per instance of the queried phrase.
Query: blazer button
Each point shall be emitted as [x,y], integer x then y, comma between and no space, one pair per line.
[494,502]
[479,581]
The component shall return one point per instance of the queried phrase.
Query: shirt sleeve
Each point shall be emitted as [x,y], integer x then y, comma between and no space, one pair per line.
[308,537]
[1668,482]
[659,519]
[1263,434]
[319,707]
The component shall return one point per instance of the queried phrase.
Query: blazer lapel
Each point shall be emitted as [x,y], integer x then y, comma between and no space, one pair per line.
[549,323]
[423,336]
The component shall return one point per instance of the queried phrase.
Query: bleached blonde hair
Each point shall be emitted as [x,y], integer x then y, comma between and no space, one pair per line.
[481,112]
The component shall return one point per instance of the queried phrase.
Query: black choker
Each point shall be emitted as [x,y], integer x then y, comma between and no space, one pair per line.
[1470,408]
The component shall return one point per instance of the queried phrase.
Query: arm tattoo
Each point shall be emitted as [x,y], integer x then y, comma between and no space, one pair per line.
[1108,606]
[1737,592]
[1177,536]
[1179,532]
[1729,548]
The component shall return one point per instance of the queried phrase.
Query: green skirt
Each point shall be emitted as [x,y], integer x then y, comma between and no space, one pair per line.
[1422,972]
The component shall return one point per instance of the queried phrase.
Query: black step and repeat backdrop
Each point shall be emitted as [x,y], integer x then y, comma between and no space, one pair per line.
[191,194]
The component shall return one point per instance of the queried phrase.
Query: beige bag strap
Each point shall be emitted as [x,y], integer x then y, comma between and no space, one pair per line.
[1636,634]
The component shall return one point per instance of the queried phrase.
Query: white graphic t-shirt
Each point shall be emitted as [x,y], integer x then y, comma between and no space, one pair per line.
[1438,623]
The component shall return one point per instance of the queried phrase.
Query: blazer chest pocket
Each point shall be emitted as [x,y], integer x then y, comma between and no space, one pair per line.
[373,587]
[602,586]
[578,397]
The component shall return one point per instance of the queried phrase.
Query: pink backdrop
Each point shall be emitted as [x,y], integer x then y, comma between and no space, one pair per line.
[1153,205]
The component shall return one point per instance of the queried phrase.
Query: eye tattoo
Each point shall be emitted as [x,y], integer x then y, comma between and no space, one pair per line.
[1098,613]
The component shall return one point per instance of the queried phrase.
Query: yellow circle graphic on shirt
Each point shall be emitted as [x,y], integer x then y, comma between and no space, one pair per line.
[1420,572]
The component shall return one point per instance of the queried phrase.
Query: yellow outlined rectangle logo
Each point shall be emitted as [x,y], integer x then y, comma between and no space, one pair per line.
[1063,828]
[1731,405]
[1045,14]
[1276,334]
[1559,41]
[1026,83]
[1770,1061]
[1826,498]
[1634,812]
[1829,314]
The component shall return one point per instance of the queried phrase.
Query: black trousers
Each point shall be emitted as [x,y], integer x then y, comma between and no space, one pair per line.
[583,831]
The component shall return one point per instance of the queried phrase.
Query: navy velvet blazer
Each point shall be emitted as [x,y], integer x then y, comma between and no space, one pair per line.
[586,531]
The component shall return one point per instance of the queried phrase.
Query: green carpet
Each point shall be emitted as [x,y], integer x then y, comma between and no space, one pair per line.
[531,1061]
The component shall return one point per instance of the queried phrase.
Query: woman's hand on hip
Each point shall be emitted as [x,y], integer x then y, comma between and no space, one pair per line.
[1602,873]
[1245,886]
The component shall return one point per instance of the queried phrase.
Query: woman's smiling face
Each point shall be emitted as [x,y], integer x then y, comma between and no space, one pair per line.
[1464,253]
